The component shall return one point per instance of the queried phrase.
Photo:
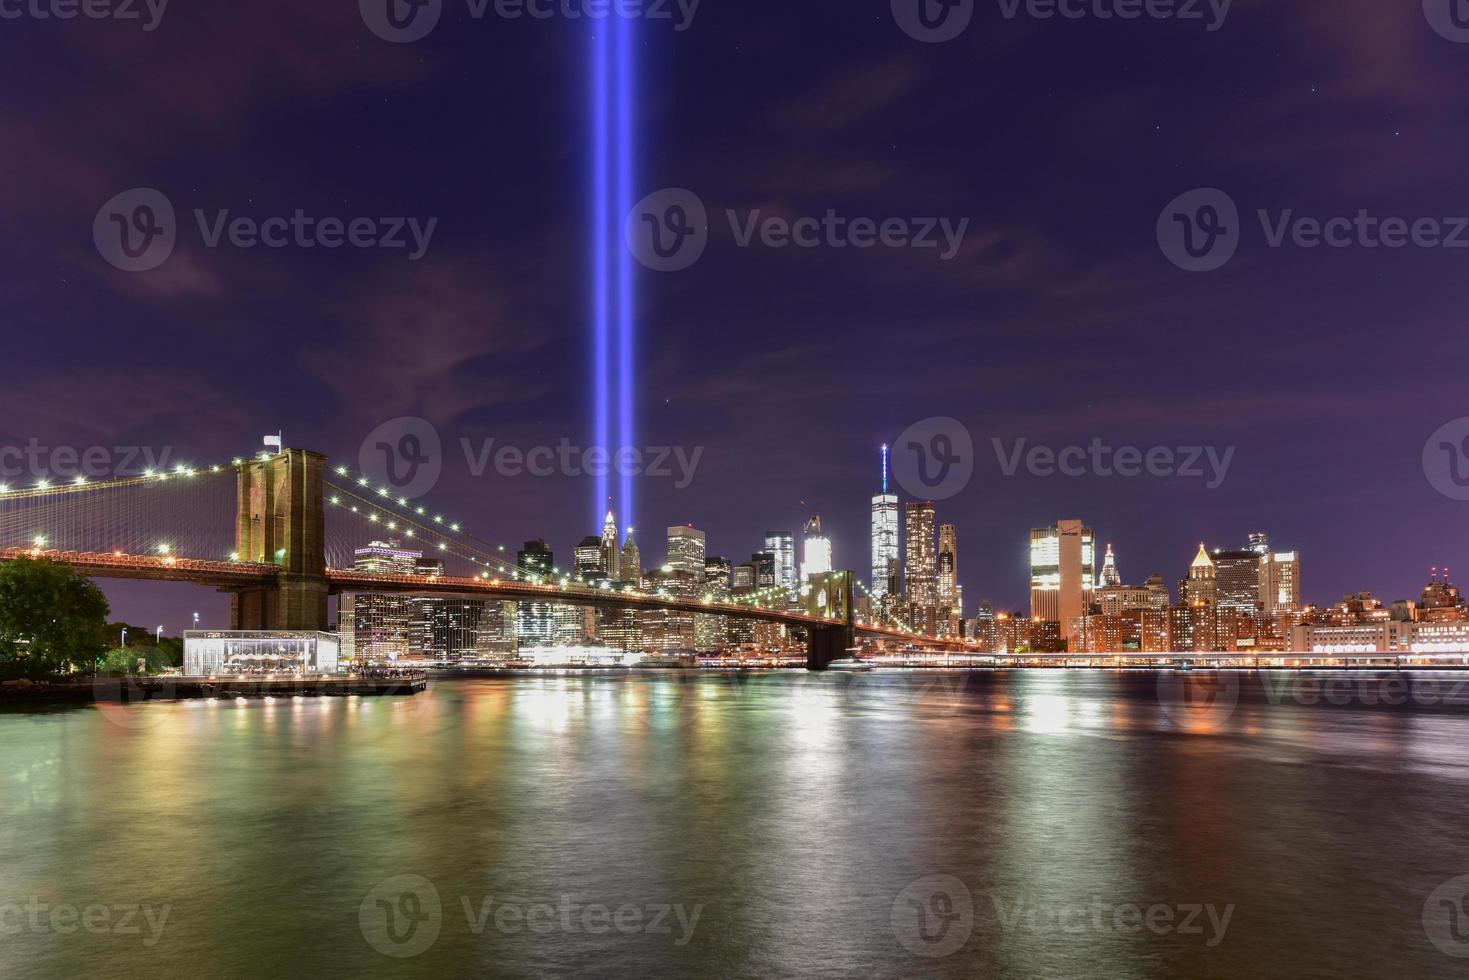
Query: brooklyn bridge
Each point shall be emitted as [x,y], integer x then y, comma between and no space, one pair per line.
[277,532]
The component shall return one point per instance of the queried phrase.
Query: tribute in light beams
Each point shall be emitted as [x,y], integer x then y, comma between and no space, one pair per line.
[613,289]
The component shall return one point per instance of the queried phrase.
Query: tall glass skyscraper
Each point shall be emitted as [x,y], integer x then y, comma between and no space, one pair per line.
[884,533]
[920,568]
[782,546]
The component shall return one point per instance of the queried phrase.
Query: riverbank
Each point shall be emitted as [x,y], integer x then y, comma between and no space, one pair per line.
[135,690]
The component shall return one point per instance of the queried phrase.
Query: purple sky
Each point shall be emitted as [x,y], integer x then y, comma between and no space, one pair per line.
[1060,319]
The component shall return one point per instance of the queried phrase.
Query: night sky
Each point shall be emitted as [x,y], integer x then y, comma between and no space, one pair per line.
[1060,319]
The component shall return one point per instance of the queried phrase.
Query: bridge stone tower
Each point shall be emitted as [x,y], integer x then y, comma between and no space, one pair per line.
[281,521]
[831,595]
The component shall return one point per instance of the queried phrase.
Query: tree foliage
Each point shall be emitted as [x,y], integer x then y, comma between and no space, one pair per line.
[52,620]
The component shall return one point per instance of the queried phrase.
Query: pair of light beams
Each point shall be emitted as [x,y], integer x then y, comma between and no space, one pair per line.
[613,55]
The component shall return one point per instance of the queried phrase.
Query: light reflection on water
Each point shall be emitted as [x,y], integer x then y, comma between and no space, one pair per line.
[791,810]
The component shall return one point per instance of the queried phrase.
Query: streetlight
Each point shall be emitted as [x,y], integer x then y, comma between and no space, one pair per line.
[196,620]
[158,637]
[124,637]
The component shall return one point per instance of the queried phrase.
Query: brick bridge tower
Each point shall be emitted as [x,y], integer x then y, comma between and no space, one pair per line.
[831,595]
[281,521]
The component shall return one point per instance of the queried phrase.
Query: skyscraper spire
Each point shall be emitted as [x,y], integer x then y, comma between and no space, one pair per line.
[611,554]
[884,468]
[1110,575]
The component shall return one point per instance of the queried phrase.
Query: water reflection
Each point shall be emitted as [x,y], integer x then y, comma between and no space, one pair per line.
[794,813]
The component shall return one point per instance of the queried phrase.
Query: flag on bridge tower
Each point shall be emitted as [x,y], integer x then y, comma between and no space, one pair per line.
[274,441]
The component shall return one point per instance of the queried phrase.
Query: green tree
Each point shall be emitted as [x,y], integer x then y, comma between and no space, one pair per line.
[51,620]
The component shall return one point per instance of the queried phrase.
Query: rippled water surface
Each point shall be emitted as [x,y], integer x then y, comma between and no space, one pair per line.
[889,824]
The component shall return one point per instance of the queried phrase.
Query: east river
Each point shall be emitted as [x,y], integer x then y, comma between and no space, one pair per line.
[892,824]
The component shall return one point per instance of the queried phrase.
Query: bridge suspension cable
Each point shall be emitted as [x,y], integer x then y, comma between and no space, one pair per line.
[186,511]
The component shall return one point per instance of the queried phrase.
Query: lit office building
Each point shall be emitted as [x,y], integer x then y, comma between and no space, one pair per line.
[590,560]
[1062,574]
[377,627]
[1238,575]
[781,546]
[630,567]
[950,595]
[884,533]
[711,632]
[535,621]
[921,563]
[611,555]
[948,567]
[686,551]
[1201,588]
[386,558]
[816,554]
[1280,582]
